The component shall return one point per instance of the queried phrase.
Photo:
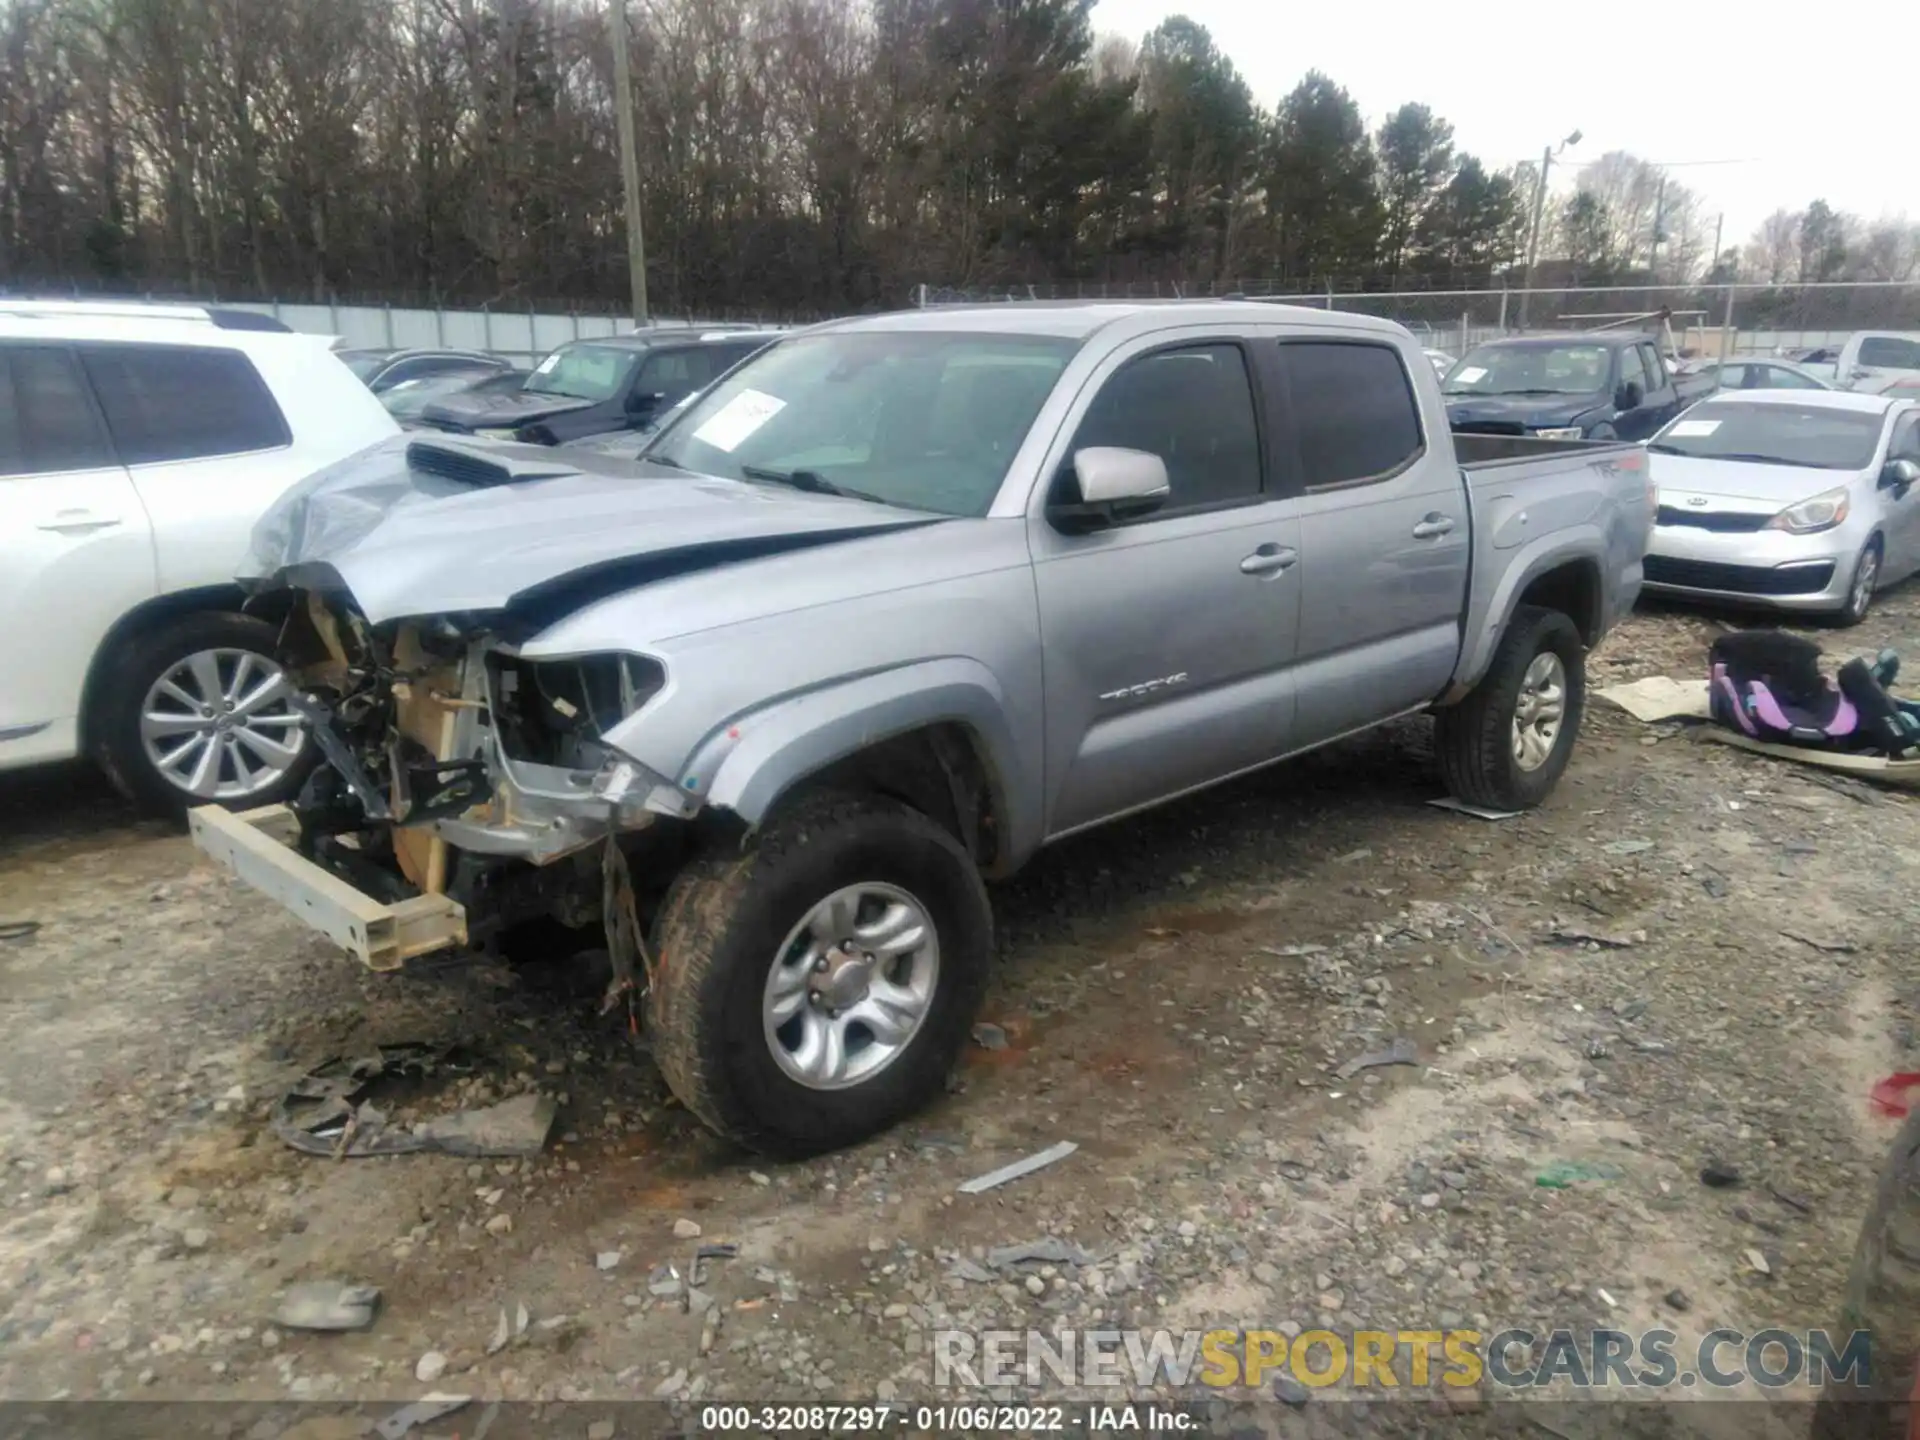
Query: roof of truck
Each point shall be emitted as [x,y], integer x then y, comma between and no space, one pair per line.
[1077,319]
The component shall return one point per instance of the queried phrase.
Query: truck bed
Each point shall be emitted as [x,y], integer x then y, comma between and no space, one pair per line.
[1478,452]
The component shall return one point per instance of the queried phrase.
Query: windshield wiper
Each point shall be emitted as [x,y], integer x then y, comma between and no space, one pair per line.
[1770,460]
[811,481]
[666,460]
[1667,450]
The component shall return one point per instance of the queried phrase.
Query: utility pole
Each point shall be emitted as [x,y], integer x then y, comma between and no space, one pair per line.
[1539,209]
[1659,214]
[629,156]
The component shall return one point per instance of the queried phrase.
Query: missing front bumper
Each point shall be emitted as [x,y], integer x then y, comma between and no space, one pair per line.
[256,845]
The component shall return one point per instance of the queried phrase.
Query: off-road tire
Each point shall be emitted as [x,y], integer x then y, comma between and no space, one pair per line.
[1474,738]
[1883,1299]
[131,671]
[717,938]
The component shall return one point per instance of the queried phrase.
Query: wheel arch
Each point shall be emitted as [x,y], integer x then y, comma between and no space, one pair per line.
[143,619]
[934,735]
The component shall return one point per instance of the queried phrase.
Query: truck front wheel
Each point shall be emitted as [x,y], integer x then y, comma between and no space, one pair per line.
[817,986]
[1505,745]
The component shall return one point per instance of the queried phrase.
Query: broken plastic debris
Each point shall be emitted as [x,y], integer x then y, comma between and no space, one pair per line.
[1478,812]
[423,1411]
[1826,947]
[518,1126]
[1564,1173]
[1401,1052]
[18,929]
[327,1112]
[1048,1250]
[509,1329]
[1606,939]
[1052,1155]
[1627,847]
[1293,952]
[327,1305]
[965,1269]
[1886,1097]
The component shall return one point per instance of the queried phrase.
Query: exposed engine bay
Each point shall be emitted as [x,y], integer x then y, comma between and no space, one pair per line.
[452,766]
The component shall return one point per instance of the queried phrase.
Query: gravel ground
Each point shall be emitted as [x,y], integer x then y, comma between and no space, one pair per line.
[1177,994]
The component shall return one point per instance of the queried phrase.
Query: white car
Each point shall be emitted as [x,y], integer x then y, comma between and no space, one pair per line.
[138,446]
[1440,360]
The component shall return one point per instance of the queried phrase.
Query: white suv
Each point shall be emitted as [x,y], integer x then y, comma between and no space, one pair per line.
[138,446]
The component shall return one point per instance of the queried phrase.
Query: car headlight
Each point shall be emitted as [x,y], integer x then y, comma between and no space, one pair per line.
[495,434]
[1561,432]
[1817,513]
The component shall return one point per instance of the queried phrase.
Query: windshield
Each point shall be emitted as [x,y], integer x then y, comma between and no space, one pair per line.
[1571,369]
[585,372]
[410,397]
[363,362]
[926,421]
[1814,436]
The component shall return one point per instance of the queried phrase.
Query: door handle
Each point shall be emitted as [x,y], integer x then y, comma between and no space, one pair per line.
[78,522]
[1269,560]
[1434,525]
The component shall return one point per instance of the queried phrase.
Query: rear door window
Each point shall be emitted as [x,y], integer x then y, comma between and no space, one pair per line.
[183,402]
[1353,411]
[47,421]
[1890,352]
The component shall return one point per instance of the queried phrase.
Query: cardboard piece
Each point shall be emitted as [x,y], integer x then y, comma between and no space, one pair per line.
[1659,698]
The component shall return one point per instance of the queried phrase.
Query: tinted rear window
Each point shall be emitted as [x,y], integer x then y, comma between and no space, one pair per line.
[179,402]
[1353,410]
[47,424]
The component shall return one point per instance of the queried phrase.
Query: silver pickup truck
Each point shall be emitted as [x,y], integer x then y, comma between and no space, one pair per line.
[892,605]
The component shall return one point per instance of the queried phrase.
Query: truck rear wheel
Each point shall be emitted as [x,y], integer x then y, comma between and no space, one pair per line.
[817,986]
[1504,746]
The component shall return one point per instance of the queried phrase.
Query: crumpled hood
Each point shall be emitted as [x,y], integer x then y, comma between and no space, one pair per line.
[512,407]
[1769,487]
[1536,412]
[407,541]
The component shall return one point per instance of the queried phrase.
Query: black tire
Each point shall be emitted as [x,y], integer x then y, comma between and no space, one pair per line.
[717,939]
[1883,1299]
[1856,606]
[144,659]
[1474,739]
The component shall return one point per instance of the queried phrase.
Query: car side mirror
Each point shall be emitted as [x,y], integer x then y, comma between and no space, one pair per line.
[645,404]
[1899,475]
[1627,397]
[1105,486]
[1859,372]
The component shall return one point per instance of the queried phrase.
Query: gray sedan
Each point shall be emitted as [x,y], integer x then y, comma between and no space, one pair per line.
[1795,500]
[1760,374]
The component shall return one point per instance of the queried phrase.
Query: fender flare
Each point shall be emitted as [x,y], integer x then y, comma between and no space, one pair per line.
[1582,545]
[747,763]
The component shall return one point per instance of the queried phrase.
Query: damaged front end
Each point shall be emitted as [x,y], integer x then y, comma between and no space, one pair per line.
[463,786]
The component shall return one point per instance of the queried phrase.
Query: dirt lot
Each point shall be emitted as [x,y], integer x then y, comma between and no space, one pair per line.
[1174,994]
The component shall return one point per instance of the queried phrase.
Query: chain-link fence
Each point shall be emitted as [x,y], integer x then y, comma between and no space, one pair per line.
[1744,318]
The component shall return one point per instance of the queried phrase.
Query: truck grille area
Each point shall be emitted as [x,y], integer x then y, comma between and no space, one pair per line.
[1809,579]
[1722,522]
[553,712]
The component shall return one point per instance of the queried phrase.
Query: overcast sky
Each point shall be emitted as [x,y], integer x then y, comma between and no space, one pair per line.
[1812,100]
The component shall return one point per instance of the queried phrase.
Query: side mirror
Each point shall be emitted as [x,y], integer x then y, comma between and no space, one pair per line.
[1859,372]
[1628,397]
[1107,485]
[1899,475]
[645,404]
